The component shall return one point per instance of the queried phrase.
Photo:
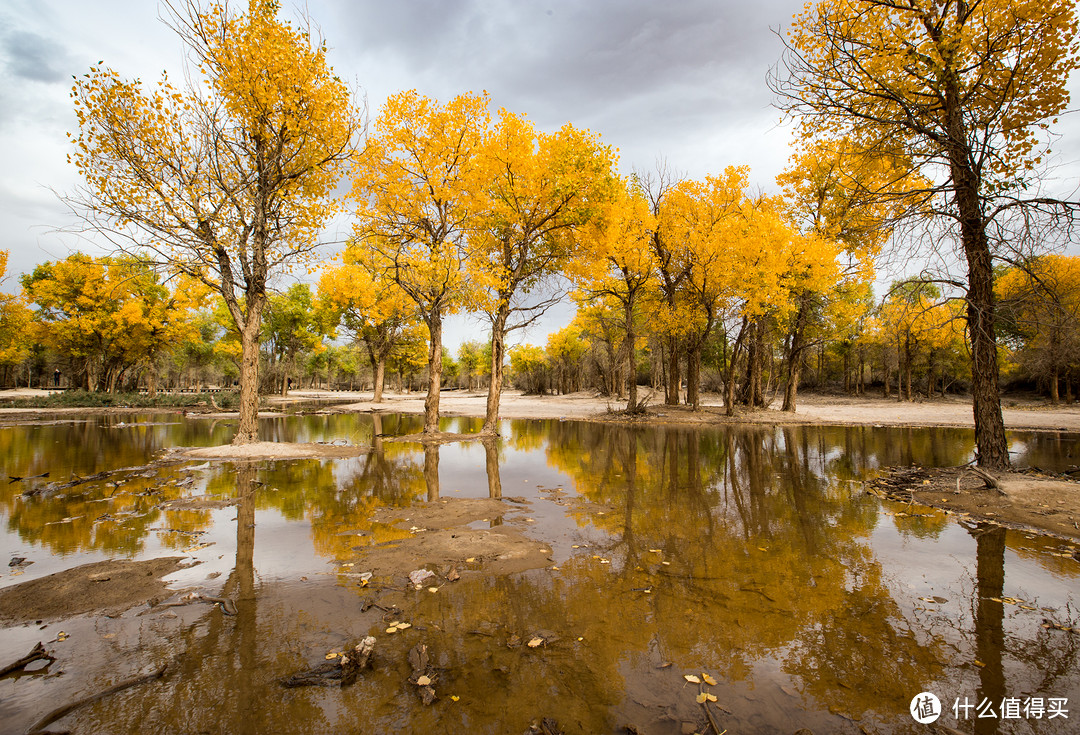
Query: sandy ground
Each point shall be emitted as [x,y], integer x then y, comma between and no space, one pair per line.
[114,585]
[1023,500]
[811,408]
[1018,413]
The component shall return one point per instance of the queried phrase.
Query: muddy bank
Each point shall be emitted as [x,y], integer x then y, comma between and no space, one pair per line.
[443,539]
[273,450]
[1022,500]
[106,587]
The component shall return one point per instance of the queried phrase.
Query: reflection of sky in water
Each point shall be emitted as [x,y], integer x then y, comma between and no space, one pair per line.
[782,577]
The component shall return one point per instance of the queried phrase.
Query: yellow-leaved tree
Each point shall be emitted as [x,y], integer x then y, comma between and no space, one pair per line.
[14,323]
[537,194]
[228,179]
[967,91]
[372,308]
[616,264]
[1041,307]
[414,198]
[704,221]
[109,316]
[847,199]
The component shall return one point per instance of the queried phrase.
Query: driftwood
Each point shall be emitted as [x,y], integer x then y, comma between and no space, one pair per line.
[12,479]
[423,675]
[342,671]
[37,653]
[59,712]
[227,606]
[986,477]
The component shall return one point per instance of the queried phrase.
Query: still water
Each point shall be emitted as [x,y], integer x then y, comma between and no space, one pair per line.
[749,554]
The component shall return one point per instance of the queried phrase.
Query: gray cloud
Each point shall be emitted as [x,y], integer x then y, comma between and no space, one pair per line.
[641,73]
[33,57]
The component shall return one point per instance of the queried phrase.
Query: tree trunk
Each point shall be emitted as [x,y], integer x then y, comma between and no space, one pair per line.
[628,345]
[674,380]
[431,401]
[794,368]
[992,447]
[729,378]
[907,368]
[1054,395]
[757,394]
[286,372]
[796,345]
[379,377]
[498,349]
[693,374]
[248,431]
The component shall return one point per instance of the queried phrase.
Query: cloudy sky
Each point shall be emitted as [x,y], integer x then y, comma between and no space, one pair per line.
[681,81]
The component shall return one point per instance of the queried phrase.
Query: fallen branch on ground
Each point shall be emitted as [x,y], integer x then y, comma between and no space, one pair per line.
[59,712]
[227,606]
[342,671]
[37,653]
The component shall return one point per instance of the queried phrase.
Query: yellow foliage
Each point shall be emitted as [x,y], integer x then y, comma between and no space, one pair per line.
[892,74]
[230,178]
[110,313]
[413,194]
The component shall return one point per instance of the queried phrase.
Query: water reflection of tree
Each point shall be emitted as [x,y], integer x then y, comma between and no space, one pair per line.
[739,587]
[222,671]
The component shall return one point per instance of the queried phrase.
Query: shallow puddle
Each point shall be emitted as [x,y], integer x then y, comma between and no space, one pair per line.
[749,556]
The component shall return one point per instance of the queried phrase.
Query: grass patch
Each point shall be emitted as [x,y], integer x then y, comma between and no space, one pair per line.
[96,399]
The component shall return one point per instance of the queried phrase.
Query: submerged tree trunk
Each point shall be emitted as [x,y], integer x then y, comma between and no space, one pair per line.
[491,464]
[989,618]
[431,470]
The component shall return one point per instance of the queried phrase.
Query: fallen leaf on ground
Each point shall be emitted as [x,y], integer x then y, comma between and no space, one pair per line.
[423,681]
[692,679]
[708,680]
[536,642]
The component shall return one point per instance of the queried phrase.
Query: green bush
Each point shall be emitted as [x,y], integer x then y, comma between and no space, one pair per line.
[94,399]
